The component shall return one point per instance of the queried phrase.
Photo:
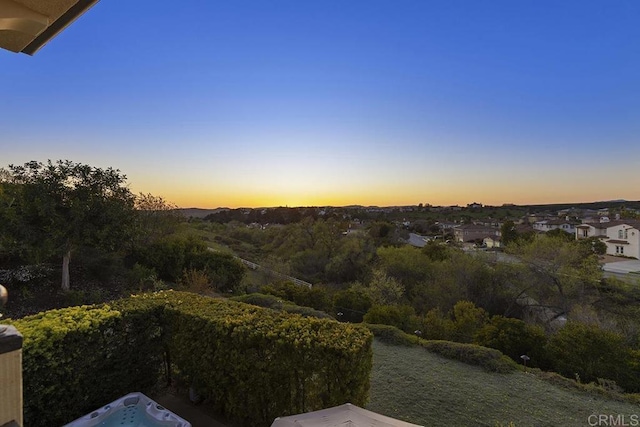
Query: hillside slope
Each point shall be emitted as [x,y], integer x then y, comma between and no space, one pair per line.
[414,385]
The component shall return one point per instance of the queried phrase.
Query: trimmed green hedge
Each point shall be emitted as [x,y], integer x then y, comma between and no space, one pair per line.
[252,363]
[487,358]
[255,364]
[261,300]
[275,303]
[80,358]
[392,335]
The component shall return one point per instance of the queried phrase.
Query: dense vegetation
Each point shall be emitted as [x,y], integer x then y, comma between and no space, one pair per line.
[544,297]
[266,364]
[548,302]
[119,241]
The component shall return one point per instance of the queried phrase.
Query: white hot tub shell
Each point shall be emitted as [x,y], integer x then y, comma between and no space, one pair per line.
[132,410]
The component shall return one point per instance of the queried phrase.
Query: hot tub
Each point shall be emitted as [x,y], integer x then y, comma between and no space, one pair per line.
[132,410]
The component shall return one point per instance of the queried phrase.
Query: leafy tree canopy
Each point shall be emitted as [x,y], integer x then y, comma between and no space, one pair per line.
[508,232]
[561,265]
[156,218]
[50,209]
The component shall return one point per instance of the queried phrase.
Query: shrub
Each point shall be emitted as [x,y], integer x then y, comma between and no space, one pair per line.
[253,364]
[196,281]
[98,264]
[611,392]
[315,297]
[171,257]
[467,320]
[592,353]
[261,300]
[167,257]
[26,274]
[273,302]
[77,359]
[142,277]
[306,311]
[435,326]
[224,271]
[400,316]
[487,358]
[90,295]
[436,251]
[353,304]
[460,325]
[392,335]
[514,338]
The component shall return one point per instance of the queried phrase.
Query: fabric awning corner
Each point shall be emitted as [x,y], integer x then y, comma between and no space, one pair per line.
[346,415]
[27,25]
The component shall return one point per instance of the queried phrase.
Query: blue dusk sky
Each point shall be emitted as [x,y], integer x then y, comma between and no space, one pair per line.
[297,103]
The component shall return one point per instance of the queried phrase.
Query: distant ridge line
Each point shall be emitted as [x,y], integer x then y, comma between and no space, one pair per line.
[203,212]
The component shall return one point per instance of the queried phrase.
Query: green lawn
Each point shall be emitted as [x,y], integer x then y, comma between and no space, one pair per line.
[414,385]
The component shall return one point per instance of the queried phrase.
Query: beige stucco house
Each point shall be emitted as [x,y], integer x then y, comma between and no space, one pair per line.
[470,232]
[622,237]
[492,242]
[554,224]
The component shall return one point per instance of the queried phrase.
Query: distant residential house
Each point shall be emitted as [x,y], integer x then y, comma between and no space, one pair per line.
[591,229]
[445,225]
[590,219]
[621,237]
[525,228]
[588,213]
[474,205]
[489,222]
[554,224]
[470,232]
[540,216]
[492,242]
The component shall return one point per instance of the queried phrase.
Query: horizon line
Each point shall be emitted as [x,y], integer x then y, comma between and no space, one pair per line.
[507,204]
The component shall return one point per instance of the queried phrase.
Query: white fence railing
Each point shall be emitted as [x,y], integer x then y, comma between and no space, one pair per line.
[254,266]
